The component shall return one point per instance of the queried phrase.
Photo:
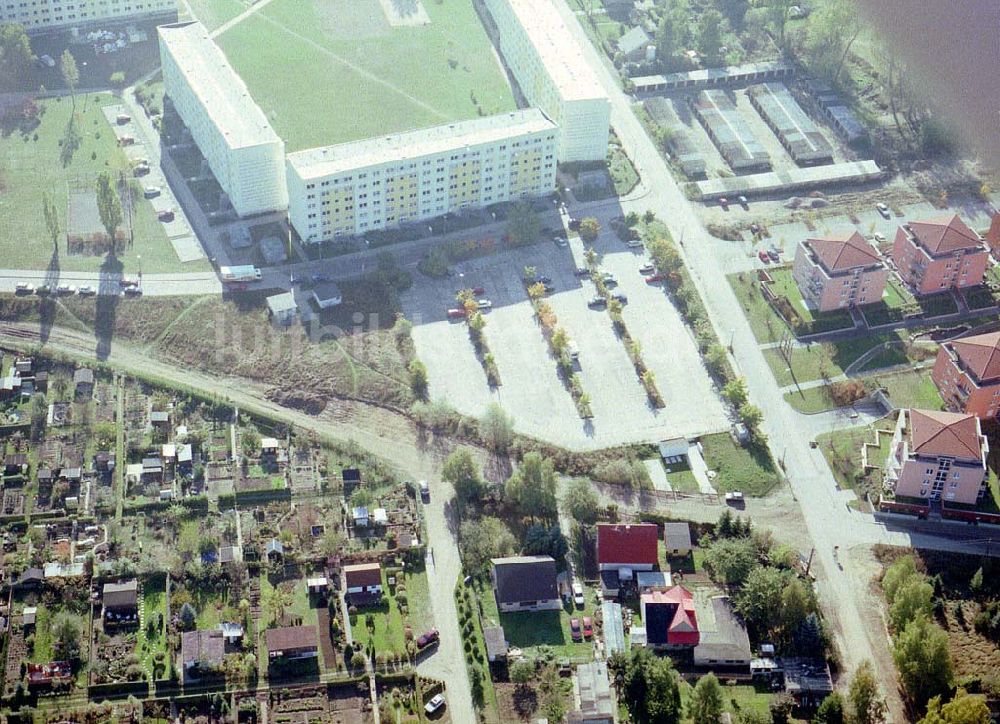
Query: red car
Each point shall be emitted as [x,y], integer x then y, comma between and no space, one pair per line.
[588,627]
[653,278]
[724,202]
[574,629]
[478,291]
[762,255]
[456,314]
[167,215]
[428,638]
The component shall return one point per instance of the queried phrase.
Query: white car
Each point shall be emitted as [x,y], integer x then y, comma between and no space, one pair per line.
[65,289]
[86,291]
[883,209]
[578,598]
[484,304]
[560,242]
[434,704]
[24,288]
[151,192]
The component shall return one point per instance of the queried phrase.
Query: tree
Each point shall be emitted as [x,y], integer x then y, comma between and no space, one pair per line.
[922,658]
[533,486]
[831,711]
[51,217]
[540,540]
[710,35]
[496,428]
[117,79]
[109,206]
[581,501]
[39,416]
[15,54]
[418,379]
[649,687]
[188,617]
[752,417]
[734,10]
[70,74]
[483,539]
[899,573]
[731,560]
[914,598]
[589,229]
[796,605]
[965,708]
[866,702]
[522,672]
[672,33]
[833,28]
[759,599]
[523,226]
[66,636]
[735,392]
[809,636]
[706,701]
[462,471]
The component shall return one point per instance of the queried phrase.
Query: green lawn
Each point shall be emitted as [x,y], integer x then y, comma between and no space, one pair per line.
[811,399]
[750,470]
[151,640]
[766,323]
[387,79]
[213,13]
[819,360]
[387,632]
[42,652]
[35,161]
[913,388]
[842,450]
[682,480]
[530,629]
[783,285]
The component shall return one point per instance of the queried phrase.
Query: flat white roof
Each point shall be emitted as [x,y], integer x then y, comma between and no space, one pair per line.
[328,160]
[560,52]
[221,91]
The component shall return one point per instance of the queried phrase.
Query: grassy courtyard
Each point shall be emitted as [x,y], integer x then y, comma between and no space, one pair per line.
[39,159]
[290,52]
[213,13]
[910,388]
[747,469]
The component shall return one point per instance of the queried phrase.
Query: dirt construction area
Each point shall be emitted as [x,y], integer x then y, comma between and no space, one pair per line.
[531,389]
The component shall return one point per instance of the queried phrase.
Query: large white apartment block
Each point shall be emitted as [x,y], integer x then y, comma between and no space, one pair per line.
[231,131]
[378,183]
[553,74]
[39,15]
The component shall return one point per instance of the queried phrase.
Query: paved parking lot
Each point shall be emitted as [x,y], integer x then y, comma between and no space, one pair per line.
[531,390]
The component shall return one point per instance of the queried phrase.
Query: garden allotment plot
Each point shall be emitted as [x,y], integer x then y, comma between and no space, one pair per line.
[332,71]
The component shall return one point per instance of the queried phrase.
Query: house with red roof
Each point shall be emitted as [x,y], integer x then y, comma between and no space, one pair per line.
[936,255]
[631,546]
[838,272]
[992,240]
[670,619]
[967,374]
[937,456]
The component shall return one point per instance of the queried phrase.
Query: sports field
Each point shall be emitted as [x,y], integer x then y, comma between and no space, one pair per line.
[330,71]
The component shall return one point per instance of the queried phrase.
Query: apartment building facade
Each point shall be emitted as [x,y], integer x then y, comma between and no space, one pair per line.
[245,154]
[552,73]
[938,456]
[839,272]
[967,374]
[41,15]
[352,188]
[935,255]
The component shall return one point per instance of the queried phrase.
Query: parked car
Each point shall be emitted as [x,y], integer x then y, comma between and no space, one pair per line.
[735,498]
[597,302]
[654,278]
[151,192]
[762,255]
[634,244]
[620,297]
[434,704]
[425,491]
[24,288]
[588,627]
[755,228]
[484,304]
[478,291]
[318,278]
[724,202]
[560,242]
[543,279]
[456,314]
[774,254]
[647,268]
[140,170]
[65,289]
[884,210]
[122,119]
[549,288]
[167,215]
[582,271]
[578,599]
[574,629]
[126,283]
[427,638]
[42,290]
[879,238]
[743,202]
[574,224]
[86,291]
[133,292]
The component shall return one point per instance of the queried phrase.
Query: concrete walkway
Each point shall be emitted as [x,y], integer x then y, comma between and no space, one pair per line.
[699,469]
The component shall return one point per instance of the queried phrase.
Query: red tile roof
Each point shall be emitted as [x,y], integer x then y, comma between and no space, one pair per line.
[980,355]
[683,628]
[944,235]
[363,574]
[945,434]
[846,251]
[634,544]
[290,638]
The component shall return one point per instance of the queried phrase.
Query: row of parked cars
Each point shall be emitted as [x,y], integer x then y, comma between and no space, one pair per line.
[129,288]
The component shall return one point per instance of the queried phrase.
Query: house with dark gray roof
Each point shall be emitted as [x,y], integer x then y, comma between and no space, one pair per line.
[525,583]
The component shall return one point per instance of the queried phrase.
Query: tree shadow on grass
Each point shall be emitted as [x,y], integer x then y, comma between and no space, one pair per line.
[47,307]
[106,304]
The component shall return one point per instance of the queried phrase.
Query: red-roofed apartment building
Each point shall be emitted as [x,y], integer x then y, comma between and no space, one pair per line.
[837,272]
[967,374]
[938,456]
[670,618]
[992,239]
[632,546]
[938,254]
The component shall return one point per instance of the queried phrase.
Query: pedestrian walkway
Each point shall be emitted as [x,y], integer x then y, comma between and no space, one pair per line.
[699,469]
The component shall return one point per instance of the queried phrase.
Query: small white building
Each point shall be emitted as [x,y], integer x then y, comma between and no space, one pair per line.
[282,309]
[327,295]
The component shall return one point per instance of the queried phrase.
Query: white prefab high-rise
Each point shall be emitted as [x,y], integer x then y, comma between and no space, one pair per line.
[377,183]
[231,131]
[38,15]
[549,66]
